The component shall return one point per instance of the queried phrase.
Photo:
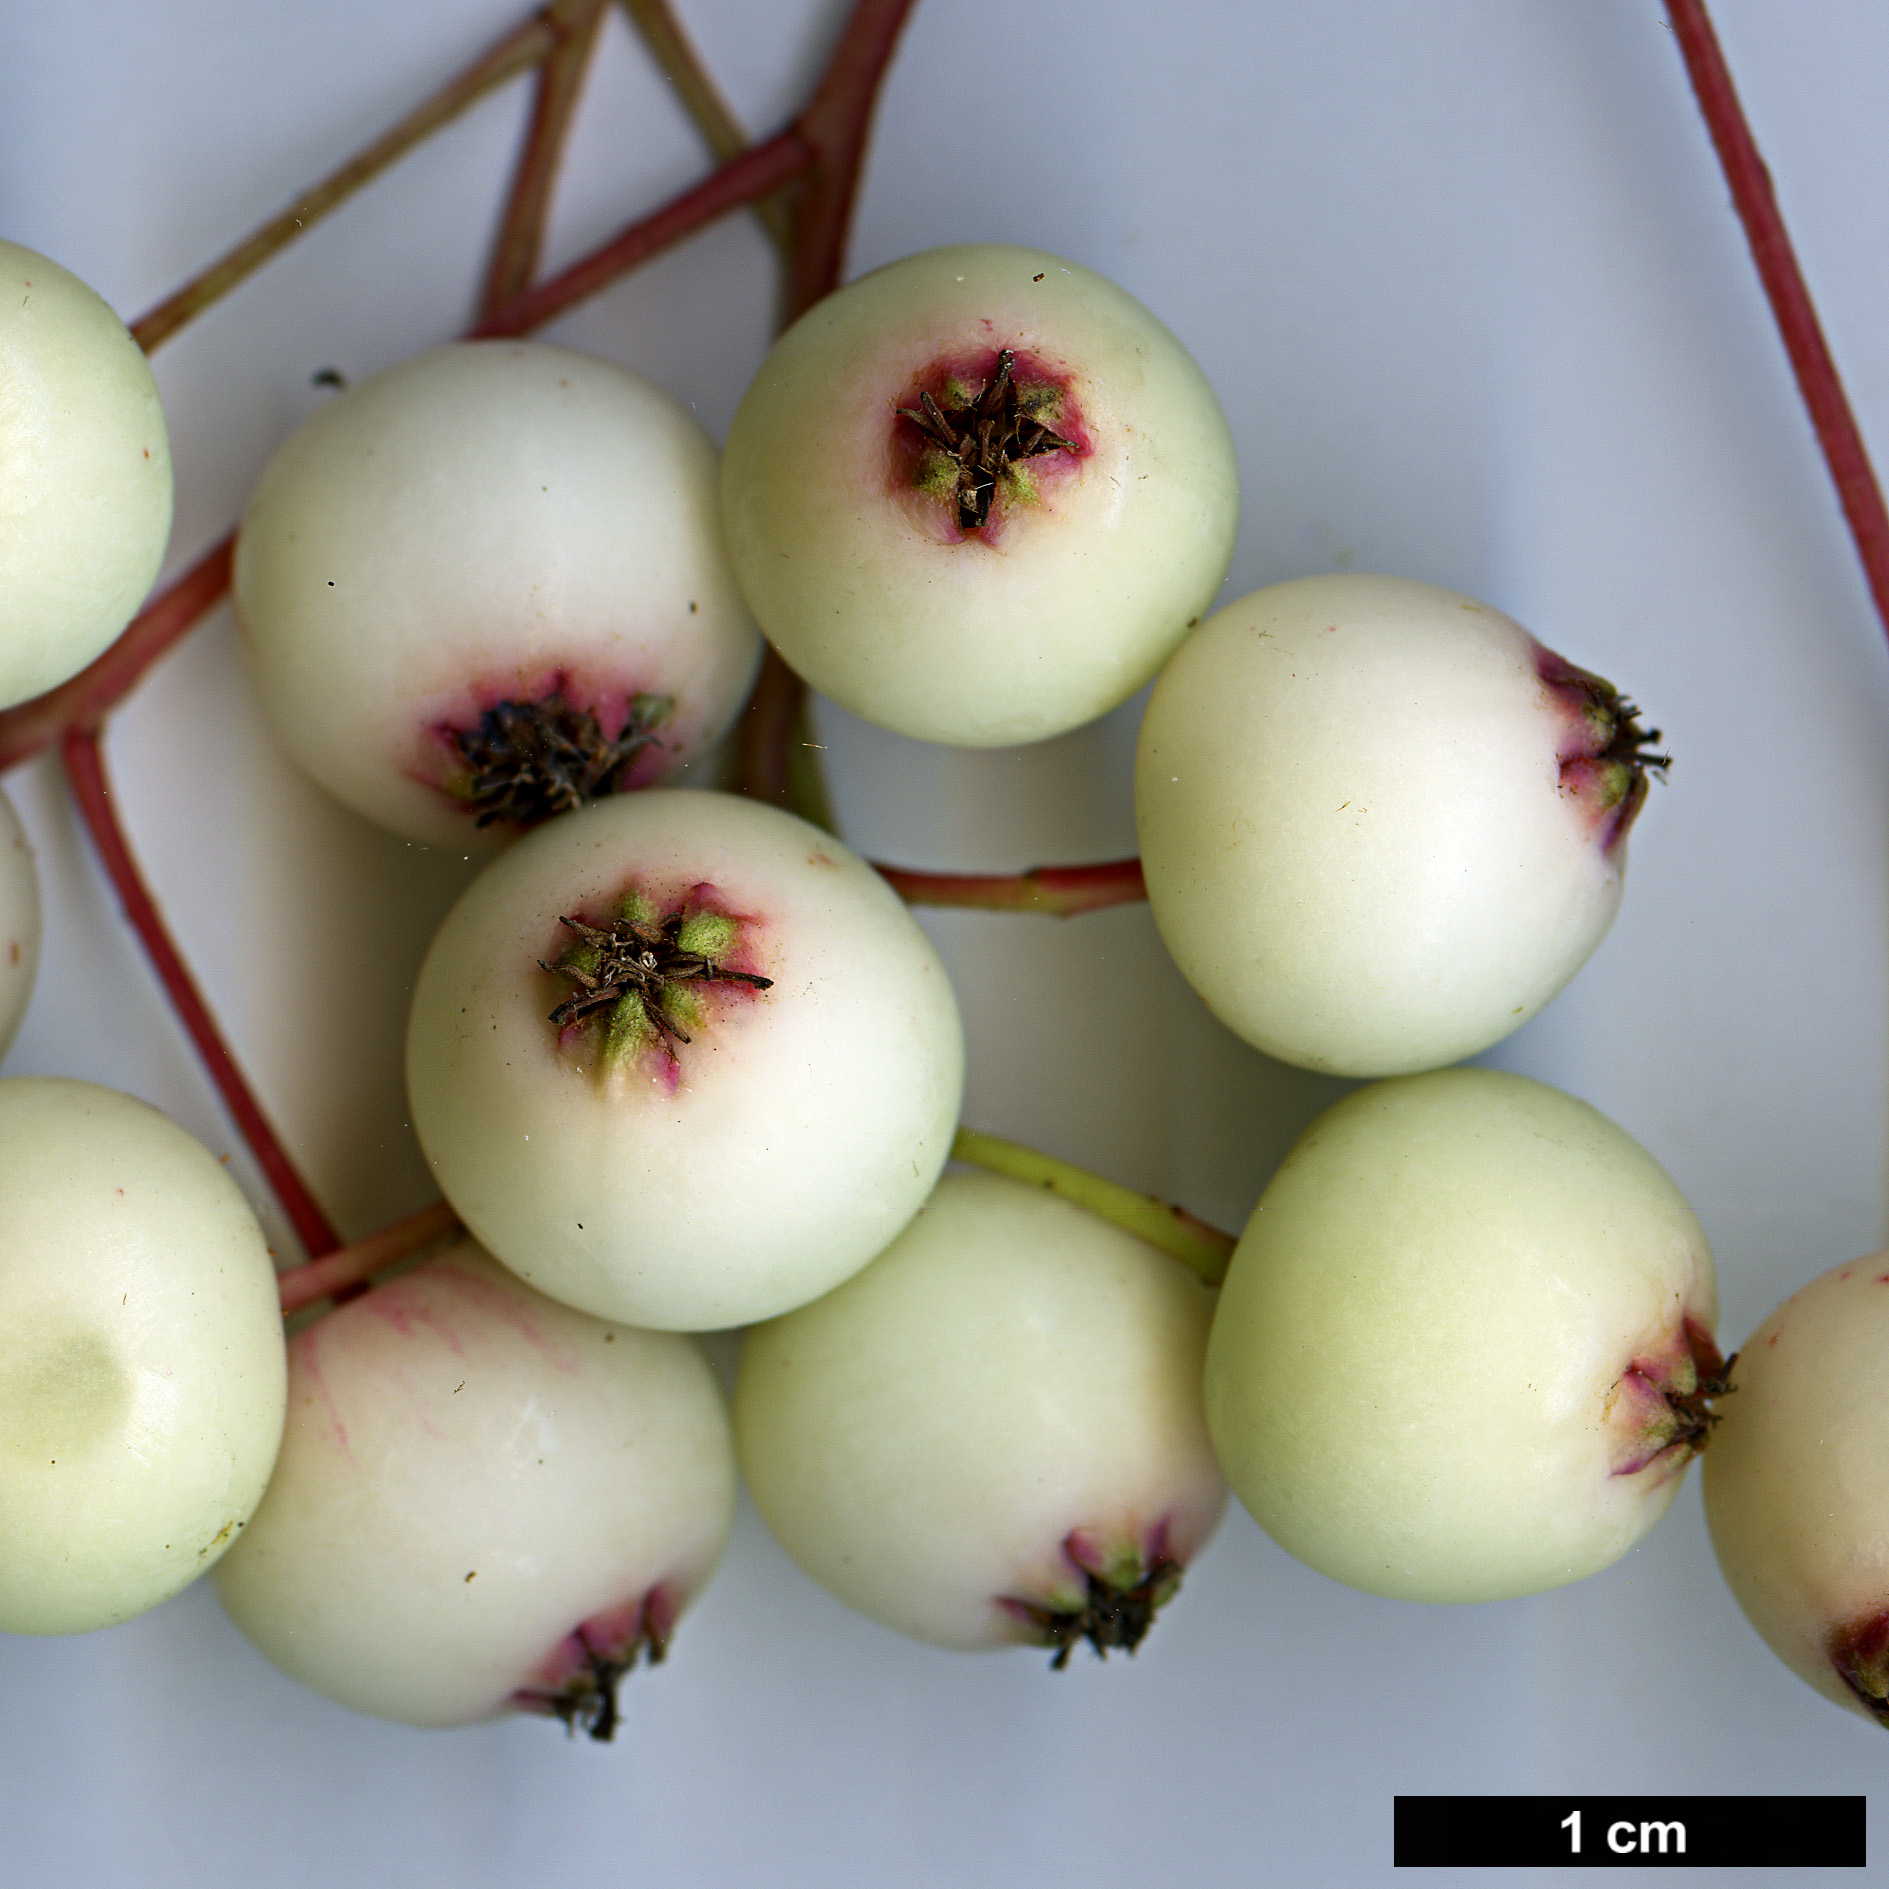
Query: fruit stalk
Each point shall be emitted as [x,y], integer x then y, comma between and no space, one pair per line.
[1059,891]
[1817,378]
[767,738]
[83,701]
[741,181]
[520,238]
[1204,1250]
[528,44]
[834,128]
[824,149]
[84,763]
[341,1273]
[698,95]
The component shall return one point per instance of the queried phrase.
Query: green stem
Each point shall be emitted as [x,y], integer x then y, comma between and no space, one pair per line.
[1204,1250]
[806,778]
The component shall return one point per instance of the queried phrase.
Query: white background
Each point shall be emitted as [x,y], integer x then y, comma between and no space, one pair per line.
[1466,280]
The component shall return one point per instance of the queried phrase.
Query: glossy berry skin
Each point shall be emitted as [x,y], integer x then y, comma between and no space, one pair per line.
[142,1375]
[19,922]
[1381,826]
[1092,556]
[1460,1345]
[85,468]
[485,1502]
[1794,1486]
[686,1184]
[483,527]
[1003,1404]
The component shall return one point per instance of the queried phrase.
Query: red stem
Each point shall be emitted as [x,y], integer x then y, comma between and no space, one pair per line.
[834,129]
[667,42]
[523,47]
[767,731]
[733,186]
[836,126]
[1817,377]
[82,702]
[1061,891]
[85,770]
[350,1266]
[554,96]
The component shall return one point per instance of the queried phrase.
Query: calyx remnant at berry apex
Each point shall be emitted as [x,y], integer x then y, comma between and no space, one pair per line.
[973,436]
[525,761]
[641,977]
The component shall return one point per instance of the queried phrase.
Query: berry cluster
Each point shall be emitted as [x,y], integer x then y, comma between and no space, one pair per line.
[682,1061]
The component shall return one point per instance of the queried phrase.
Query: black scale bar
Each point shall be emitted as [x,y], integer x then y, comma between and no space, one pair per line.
[1600,1832]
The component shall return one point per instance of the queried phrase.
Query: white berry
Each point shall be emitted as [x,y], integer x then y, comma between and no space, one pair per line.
[1794,1486]
[488,531]
[857,540]
[994,1433]
[1458,1352]
[734,1146]
[141,1372]
[85,475]
[485,1502]
[1381,825]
